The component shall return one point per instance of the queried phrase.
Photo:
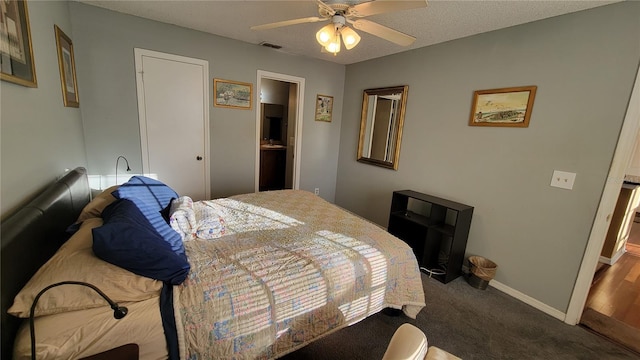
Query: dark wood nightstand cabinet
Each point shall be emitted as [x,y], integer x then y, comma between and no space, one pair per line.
[124,352]
[436,229]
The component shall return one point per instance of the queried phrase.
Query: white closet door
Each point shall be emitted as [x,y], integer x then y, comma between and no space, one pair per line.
[173,111]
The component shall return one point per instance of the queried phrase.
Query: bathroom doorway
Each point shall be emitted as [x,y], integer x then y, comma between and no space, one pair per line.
[278,131]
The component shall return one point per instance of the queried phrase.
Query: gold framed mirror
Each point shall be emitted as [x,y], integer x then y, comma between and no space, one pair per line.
[381,126]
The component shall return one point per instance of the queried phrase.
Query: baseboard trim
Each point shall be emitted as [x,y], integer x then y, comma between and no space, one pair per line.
[614,258]
[605,260]
[528,300]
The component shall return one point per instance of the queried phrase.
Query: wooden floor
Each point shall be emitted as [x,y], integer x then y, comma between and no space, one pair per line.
[616,289]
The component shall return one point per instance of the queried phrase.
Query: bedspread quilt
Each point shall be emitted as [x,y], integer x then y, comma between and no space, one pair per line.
[283,269]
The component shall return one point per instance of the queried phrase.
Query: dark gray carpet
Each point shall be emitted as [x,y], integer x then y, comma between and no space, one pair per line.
[472,324]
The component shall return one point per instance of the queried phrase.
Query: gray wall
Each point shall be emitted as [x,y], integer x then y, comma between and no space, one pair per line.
[584,65]
[40,138]
[104,41]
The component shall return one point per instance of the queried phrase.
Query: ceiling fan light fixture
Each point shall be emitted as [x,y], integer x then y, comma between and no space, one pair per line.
[326,34]
[352,12]
[349,37]
[334,46]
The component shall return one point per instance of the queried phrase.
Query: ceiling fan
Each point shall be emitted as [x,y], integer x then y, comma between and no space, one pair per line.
[341,14]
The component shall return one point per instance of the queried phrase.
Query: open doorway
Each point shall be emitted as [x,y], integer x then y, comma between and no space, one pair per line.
[613,304]
[278,131]
[619,165]
[633,244]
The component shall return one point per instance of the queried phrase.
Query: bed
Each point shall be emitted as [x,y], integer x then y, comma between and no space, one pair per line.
[267,273]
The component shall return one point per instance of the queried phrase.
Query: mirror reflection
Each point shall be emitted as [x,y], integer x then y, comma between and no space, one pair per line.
[381,126]
[272,122]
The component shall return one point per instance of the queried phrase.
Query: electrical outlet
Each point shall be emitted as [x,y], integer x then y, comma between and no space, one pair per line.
[317,191]
[563,179]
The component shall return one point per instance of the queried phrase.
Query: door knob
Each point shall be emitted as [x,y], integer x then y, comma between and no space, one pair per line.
[198,157]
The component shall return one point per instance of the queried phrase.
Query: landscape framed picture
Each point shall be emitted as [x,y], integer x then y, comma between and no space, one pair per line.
[232,94]
[16,53]
[509,107]
[324,108]
[67,67]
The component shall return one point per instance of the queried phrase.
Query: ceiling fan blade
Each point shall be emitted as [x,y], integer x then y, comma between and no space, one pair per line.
[278,24]
[326,8]
[384,6]
[383,32]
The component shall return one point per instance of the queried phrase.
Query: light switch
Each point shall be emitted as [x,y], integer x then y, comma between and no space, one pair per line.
[563,179]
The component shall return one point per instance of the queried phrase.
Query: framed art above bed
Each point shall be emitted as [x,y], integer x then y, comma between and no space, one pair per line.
[16,52]
[67,67]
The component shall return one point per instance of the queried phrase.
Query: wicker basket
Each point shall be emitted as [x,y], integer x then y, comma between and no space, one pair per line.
[482,271]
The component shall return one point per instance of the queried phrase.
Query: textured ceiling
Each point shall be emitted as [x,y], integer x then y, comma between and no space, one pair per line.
[440,21]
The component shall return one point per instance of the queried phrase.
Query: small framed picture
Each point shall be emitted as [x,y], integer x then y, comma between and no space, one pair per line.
[324,108]
[67,66]
[509,107]
[16,52]
[232,94]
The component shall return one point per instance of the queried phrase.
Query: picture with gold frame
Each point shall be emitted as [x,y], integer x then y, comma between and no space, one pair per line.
[232,94]
[67,67]
[16,53]
[508,107]
[324,108]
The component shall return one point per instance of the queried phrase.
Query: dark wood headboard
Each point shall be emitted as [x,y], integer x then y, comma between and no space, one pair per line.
[31,236]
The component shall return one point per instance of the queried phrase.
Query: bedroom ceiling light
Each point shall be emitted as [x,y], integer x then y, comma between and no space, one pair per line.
[341,12]
[350,37]
[329,35]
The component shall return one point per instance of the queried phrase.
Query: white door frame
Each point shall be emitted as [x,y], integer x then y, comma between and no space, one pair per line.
[621,158]
[142,118]
[297,154]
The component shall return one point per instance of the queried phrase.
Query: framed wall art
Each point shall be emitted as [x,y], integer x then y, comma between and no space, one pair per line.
[508,107]
[16,53]
[232,94]
[67,66]
[324,108]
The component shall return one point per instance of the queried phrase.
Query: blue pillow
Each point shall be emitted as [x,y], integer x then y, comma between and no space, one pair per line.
[152,196]
[128,240]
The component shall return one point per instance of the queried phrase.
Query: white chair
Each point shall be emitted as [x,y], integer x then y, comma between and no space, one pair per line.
[407,343]
[410,343]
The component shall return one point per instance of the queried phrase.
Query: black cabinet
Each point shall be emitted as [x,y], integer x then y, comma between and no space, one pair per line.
[436,229]
[273,163]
